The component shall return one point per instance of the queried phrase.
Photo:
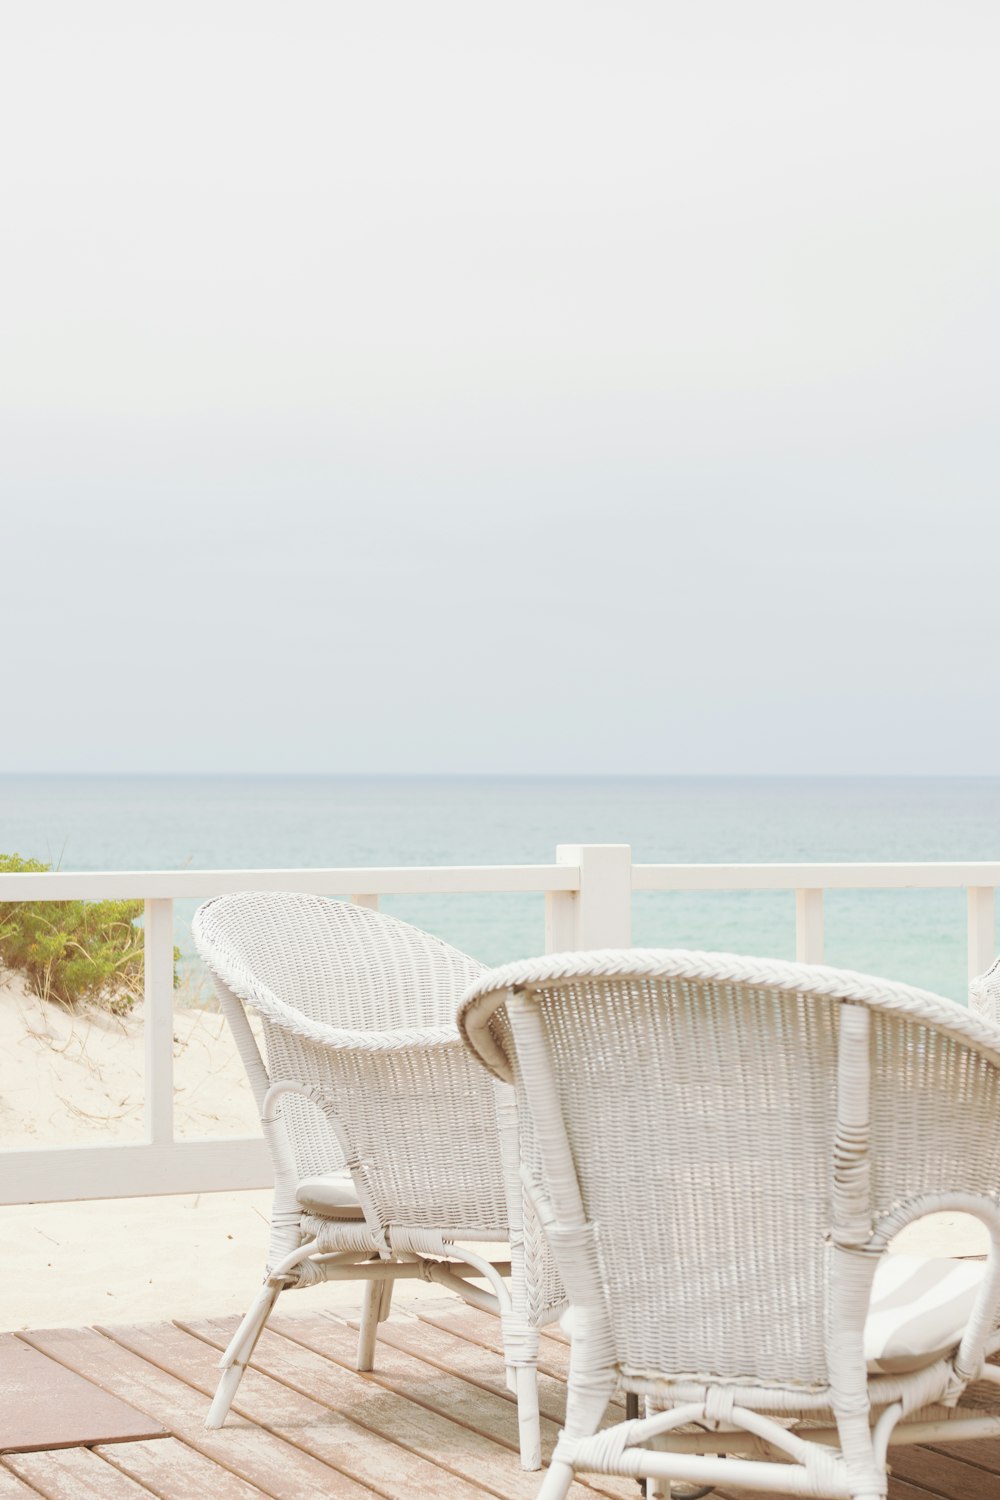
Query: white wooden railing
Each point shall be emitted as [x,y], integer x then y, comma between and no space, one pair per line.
[588,904]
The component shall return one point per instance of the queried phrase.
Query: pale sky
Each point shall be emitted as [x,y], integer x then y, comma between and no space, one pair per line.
[558,387]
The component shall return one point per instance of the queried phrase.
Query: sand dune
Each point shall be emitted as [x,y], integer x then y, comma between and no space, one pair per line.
[76,1078]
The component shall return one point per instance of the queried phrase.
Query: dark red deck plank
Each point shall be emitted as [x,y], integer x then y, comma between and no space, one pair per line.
[44,1406]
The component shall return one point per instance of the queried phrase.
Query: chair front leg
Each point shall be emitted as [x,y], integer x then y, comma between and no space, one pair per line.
[243,1342]
[237,1356]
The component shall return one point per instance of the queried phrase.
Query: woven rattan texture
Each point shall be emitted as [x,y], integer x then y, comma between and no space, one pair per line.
[935,1113]
[706,1279]
[362,1007]
[984,993]
[698,1093]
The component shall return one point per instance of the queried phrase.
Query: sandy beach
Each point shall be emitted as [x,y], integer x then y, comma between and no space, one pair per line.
[76,1079]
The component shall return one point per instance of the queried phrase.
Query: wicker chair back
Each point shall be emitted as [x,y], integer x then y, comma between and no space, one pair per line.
[688,1109]
[361,1007]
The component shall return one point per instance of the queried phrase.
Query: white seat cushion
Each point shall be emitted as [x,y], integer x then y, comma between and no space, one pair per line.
[335,1197]
[918,1311]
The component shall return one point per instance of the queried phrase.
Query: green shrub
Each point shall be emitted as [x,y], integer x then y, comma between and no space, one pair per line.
[74,951]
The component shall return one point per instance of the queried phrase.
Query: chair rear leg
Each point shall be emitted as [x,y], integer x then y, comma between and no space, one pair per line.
[237,1356]
[520,1345]
[528,1424]
[378,1300]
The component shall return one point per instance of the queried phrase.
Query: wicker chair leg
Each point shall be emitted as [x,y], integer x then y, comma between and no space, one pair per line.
[378,1300]
[528,1424]
[556,1484]
[237,1356]
[225,1395]
[369,1326]
[520,1342]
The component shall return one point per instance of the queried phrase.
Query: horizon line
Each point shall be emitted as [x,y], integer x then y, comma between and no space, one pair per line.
[515,775]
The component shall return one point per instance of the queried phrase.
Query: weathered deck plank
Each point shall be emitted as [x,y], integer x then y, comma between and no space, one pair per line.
[277,1468]
[12,1488]
[173,1471]
[347,1444]
[945,1475]
[483,1329]
[74,1474]
[983,1453]
[450,1399]
[468,1456]
[432,1385]
[447,1351]
[434,1419]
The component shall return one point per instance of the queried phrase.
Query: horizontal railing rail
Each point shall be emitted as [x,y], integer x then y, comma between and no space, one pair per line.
[588,904]
[931,875]
[406,880]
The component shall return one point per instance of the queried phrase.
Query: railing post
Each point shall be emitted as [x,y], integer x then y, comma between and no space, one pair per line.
[370,901]
[158,1019]
[809,926]
[982,929]
[599,914]
[560,921]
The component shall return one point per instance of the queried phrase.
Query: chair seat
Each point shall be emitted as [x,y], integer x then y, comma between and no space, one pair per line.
[918,1311]
[332,1197]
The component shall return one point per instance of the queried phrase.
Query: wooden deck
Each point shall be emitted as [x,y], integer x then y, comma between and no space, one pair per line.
[434,1419]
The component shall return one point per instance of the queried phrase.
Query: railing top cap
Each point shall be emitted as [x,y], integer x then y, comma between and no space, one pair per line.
[497,879]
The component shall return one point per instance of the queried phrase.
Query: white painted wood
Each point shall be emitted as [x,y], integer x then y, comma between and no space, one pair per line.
[603,904]
[158,1019]
[371,902]
[124,885]
[560,921]
[67,1174]
[809,926]
[940,875]
[63,885]
[982,929]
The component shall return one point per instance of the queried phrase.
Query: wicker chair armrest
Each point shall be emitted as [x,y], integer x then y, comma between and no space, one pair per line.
[409,1038]
[474,1016]
[259,998]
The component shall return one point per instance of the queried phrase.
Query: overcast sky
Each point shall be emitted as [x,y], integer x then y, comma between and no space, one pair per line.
[500,387]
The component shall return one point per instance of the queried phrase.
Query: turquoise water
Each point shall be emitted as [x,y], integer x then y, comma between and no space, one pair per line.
[172,822]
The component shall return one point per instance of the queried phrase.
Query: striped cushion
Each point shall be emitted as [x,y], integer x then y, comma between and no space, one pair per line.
[919,1309]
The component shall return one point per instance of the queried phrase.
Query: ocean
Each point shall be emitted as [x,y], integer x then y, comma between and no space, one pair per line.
[174,822]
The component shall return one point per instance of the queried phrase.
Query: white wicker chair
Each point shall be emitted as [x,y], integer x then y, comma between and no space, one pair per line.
[386,1139]
[727,1146]
[984,993]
